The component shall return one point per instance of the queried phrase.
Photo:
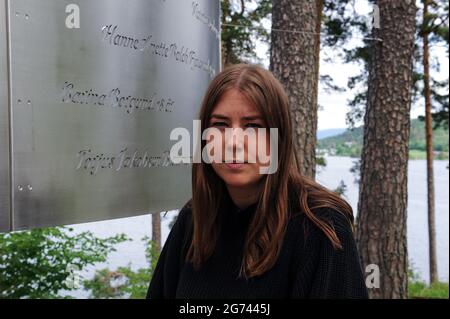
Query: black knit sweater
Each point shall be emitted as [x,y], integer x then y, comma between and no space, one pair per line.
[308,266]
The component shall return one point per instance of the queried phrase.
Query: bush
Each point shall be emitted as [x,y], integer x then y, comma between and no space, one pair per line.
[124,282]
[40,263]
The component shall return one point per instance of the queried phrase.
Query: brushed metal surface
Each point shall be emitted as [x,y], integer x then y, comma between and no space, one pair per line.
[5,184]
[91,106]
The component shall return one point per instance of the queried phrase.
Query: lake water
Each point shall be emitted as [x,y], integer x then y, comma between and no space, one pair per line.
[337,169]
[417,223]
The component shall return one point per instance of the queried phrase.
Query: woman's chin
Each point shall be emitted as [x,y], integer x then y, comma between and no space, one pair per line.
[239,181]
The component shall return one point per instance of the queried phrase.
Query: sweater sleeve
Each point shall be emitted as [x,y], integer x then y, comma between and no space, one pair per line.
[165,276]
[327,272]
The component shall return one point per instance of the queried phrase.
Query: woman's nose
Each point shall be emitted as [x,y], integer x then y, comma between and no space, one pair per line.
[234,140]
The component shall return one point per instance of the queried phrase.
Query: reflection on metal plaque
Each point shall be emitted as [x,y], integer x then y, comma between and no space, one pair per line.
[89,93]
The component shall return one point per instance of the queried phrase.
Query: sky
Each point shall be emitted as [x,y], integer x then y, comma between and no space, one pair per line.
[332,113]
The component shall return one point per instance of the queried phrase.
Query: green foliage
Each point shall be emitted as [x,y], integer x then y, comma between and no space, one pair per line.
[417,137]
[356,170]
[124,282]
[37,263]
[422,290]
[417,288]
[341,190]
[350,142]
[238,43]
[417,155]
[342,22]
[435,26]
[321,161]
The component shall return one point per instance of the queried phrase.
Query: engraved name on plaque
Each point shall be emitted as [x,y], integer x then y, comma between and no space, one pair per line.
[87,106]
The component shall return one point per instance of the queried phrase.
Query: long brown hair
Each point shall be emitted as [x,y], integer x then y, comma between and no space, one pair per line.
[276,202]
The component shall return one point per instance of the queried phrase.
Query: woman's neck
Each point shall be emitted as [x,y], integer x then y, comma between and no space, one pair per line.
[243,197]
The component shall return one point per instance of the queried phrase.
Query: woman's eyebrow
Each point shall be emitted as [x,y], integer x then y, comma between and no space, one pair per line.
[248,118]
[220,116]
[251,117]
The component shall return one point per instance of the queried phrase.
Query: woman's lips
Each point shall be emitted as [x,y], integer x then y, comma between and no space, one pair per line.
[235,165]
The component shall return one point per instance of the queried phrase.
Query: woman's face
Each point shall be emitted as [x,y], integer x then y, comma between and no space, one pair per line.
[235,112]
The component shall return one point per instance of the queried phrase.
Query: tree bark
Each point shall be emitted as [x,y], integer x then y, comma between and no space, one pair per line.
[295,62]
[429,145]
[156,230]
[382,206]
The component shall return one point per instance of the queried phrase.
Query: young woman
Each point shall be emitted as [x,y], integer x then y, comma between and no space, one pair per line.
[246,234]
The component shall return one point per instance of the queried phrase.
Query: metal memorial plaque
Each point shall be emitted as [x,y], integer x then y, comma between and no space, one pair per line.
[89,93]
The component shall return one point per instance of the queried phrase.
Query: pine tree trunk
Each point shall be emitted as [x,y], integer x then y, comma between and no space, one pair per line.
[295,62]
[156,230]
[382,206]
[429,143]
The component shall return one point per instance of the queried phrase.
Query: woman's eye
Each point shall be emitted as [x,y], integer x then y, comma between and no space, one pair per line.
[219,124]
[254,125]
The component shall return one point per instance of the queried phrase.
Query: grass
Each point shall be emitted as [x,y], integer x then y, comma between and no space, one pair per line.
[422,290]
[418,289]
